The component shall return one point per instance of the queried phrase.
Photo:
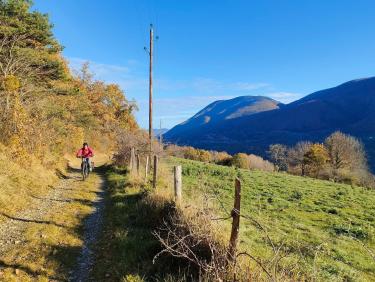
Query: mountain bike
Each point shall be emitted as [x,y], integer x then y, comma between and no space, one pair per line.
[85,168]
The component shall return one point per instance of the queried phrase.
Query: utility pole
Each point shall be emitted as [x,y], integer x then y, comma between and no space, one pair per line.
[150,130]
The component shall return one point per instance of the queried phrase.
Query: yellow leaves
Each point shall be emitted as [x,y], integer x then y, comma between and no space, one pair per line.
[79,135]
[317,154]
[57,118]
[316,157]
[17,149]
[10,83]
[241,160]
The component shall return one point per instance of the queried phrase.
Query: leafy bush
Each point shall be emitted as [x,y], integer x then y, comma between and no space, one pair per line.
[241,160]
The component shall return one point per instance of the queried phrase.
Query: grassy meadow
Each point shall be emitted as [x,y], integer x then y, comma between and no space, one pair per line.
[325,230]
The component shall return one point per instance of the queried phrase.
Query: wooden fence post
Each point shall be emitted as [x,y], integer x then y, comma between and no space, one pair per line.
[236,221]
[138,164]
[146,168]
[155,171]
[132,159]
[178,183]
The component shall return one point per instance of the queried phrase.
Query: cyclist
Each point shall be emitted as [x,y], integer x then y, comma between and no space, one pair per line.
[86,152]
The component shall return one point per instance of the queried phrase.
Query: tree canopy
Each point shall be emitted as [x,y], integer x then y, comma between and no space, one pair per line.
[43,106]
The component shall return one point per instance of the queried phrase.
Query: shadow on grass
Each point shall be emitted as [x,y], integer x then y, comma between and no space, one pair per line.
[81,201]
[25,269]
[60,174]
[128,246]
[63,255]
[73,261]
[32,220]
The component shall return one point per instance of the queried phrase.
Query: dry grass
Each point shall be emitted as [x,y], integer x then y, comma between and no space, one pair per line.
[48,250]
[18,184]
[52,238]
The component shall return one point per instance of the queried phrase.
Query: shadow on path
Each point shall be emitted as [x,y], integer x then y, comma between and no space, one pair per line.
[92,229]
[33,220]
[81,201]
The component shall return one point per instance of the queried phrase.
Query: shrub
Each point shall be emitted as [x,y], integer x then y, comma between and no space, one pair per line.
[241,160]
[259,163]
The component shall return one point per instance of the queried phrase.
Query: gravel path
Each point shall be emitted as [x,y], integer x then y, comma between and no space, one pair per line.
[92,228]
[12,230]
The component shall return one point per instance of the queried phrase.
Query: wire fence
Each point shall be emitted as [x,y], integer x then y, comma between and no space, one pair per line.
[279,245]
[226,213]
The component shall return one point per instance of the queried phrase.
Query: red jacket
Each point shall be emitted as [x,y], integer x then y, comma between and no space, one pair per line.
[88,153]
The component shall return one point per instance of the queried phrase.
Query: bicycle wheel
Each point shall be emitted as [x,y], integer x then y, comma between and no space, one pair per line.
[84,171]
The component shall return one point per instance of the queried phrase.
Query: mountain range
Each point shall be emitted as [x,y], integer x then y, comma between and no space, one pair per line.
[251,123]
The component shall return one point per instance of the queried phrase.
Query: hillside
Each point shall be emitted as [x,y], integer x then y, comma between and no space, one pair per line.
[19,184]
[325,227]
[46,113]
[44,107]
[220,111]
[317,230]
[347,107]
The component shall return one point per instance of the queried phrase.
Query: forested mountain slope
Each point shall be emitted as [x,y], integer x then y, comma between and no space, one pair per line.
[348,107]
[220,111]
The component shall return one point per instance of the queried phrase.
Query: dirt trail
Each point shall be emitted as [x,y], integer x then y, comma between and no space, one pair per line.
[13,229]
[43,211]
[92,228]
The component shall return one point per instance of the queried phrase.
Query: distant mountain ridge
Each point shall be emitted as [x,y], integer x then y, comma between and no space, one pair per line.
[160,131]
[222,110]
[349,107]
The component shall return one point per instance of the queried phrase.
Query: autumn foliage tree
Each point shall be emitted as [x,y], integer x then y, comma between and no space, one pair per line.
[43,107]
[347,158]
[340,158]
[241,160]
[345,151]
[316,158]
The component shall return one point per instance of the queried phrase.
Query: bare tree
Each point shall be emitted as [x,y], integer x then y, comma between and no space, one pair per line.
[128,140]
[278,155]
[296,155]
[345,151]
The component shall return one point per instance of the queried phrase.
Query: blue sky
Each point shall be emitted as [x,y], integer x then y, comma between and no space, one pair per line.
[209,50]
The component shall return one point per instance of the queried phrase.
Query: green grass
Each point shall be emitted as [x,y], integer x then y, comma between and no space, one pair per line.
[323,225]
[127,247]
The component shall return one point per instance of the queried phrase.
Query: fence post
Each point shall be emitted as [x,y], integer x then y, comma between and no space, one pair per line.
[236,221]
[138,164]
[132,157]
[155,171]
[146,168]
[178,183]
